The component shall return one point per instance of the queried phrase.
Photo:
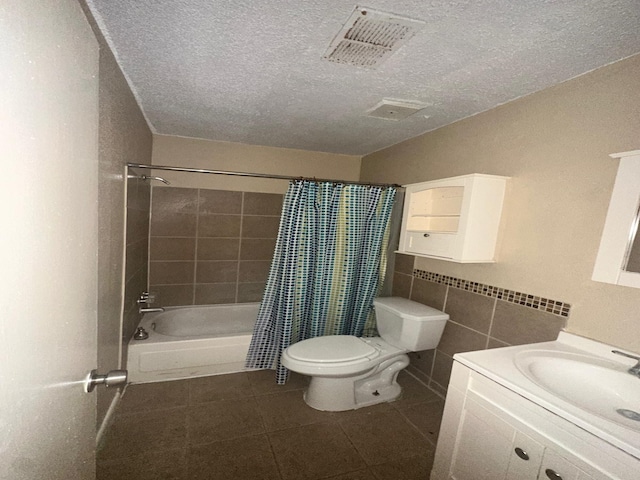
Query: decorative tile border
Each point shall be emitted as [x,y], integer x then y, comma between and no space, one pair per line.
[527,300]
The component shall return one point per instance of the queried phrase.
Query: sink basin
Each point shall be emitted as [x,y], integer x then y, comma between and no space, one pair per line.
[596,385]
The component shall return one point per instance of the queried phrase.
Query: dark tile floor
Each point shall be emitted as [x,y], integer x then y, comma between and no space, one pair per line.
[244,426]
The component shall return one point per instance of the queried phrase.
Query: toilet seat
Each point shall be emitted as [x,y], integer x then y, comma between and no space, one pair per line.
[331,349]
[337,355]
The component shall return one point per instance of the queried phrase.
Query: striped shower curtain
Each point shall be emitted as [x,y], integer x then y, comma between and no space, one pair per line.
[327,267]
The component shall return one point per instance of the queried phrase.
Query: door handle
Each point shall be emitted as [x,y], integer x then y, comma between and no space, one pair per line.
[113,378]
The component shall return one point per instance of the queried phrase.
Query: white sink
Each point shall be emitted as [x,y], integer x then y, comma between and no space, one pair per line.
[596,385]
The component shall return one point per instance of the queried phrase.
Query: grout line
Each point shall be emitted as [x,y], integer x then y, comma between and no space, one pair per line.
[195,259]
[411,286]
[240,246]
[446,297]
[468,328]
[493,312]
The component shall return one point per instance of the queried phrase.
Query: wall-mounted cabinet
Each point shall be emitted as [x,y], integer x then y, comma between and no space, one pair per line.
[455,219]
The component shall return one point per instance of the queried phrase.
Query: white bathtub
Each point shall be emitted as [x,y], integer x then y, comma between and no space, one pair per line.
[192,341]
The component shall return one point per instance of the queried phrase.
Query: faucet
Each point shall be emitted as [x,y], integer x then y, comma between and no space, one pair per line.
[635,370]
[150,310]
[145,299]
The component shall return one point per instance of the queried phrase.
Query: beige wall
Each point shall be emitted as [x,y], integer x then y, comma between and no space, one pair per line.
[212,155]
[555,146]
[123,137]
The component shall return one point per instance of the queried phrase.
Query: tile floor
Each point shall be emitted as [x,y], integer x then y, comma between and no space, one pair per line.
[244,426]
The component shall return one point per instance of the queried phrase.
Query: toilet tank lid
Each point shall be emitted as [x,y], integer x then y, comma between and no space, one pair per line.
[409,309]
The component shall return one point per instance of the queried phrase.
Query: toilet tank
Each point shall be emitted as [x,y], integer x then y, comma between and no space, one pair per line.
[409,325]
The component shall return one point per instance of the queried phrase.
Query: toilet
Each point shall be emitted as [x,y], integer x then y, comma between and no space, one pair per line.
[349,372]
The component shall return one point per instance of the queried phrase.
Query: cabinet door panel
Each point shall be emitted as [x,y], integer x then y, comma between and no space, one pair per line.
[524,464]
[437,244]
[555,467]
[484,446]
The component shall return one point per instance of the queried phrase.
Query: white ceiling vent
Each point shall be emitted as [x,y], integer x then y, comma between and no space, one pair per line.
[369,37]
[392,109]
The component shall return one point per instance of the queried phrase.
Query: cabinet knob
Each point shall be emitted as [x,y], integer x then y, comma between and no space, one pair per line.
[521,453]
[552,474]
[426,235]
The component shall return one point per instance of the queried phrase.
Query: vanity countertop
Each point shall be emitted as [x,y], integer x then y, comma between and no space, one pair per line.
[512,368]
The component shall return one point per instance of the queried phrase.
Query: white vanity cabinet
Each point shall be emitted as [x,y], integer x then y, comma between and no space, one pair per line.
[455,219]
[489,432]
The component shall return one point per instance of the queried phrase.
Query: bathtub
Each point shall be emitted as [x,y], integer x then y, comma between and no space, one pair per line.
[192,341]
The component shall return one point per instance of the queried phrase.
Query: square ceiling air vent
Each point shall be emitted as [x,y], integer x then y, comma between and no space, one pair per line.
[392,109]
[369,37]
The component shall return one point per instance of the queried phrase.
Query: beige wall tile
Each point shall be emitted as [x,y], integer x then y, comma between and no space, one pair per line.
[517,325]
[214,293]
[178,200]
[217,272]
[428,293]
[135,257]
[215,242]
[493,343]
[442,366]
[254,271]
[218,249]
[404,263]
[456,339]
[211,225]
[170,295]
[171,248]
[257,226]
[401,285]
[262,204]
[250,292]
[165,223]
[257,249]
[171,273]
[137,224]
[423,361]
[220,201]
[470,309]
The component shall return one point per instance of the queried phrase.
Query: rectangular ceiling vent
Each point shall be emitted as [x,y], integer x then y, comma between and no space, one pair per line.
[369,37]
[394,109]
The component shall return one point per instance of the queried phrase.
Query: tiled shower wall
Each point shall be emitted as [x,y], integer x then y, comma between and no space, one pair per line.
[211,246]
[137,245]
[481,317]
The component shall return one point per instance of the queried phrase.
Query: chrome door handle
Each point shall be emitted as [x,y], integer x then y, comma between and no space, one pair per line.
[113,378]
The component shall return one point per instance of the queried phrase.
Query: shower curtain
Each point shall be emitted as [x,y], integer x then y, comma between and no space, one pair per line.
[327,267]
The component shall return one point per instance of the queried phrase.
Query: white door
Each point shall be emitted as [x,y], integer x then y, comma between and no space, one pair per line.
[48,240]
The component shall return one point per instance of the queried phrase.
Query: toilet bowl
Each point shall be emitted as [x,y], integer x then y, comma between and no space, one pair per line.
[349,372]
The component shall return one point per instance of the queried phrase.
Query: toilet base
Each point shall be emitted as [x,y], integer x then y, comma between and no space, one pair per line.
[337,394]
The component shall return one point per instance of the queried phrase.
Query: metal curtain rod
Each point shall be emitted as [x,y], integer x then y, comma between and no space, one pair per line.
[257,175]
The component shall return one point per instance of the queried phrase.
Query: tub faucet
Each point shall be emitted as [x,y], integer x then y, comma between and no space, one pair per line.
[146,298]
[150,310]
[635,370]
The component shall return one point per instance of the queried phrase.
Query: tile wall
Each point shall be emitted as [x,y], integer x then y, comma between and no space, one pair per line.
[481,317]
[137,251]
[211,246]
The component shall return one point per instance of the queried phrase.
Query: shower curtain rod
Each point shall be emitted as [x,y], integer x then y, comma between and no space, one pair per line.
[257,175]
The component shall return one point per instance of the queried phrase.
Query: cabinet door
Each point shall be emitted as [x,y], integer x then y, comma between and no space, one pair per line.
[483,447]
[555,467]
[436,244]
[526,457]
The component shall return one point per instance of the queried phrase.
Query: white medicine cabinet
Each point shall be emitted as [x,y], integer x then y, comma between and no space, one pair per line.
[455,219]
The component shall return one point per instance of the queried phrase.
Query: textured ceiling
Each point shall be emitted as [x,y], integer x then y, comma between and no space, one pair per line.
[251,71]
